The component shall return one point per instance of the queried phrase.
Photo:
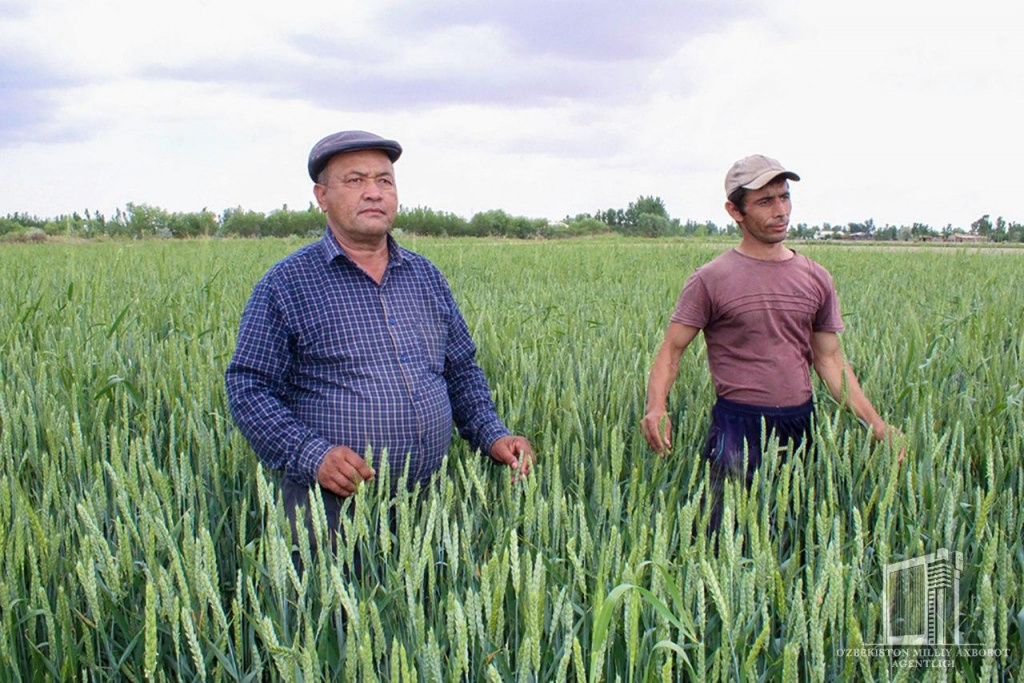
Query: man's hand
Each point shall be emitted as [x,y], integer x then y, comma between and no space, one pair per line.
[342,471]
[656,424]
[658,431]
[892,435]
[516,452]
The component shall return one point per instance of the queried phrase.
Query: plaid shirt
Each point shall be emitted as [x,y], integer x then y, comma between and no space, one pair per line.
[327,357]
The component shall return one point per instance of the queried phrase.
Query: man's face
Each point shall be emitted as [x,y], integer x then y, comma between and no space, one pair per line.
[767,212]
[358,194]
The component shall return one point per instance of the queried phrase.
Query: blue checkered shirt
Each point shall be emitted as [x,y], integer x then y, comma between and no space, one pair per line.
[328,357]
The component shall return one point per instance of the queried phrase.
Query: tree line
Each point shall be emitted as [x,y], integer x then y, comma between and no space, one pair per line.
[647,216]
[1000,230]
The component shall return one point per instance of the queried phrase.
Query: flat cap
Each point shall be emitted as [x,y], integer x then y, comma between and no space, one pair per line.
[348,141]
[754,172]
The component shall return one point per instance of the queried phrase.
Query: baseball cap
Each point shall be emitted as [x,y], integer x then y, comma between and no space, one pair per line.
[348,141]
[754,172]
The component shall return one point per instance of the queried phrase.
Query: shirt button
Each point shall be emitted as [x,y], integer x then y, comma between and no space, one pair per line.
[402,358]
[392,321]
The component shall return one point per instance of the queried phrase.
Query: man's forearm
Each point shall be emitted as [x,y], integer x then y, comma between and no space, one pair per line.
[665,368]
[662,377]
[280,439]
[858,402]
[473,408]
[842,384]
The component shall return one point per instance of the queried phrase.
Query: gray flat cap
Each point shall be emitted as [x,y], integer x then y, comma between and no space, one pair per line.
[348,141]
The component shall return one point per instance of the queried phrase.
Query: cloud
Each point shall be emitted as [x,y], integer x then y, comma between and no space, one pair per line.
[341,84]
[31,103]
[446,53]
[597,31]
[571,58]
[15,9]
[538,107]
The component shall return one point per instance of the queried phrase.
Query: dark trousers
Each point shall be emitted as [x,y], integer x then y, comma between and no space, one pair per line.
[296,498]
[736,431]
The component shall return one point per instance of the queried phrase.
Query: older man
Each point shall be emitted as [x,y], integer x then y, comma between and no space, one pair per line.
[353,344]
[768,314]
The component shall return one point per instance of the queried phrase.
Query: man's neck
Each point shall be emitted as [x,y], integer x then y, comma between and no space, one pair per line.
[372,255]
[764,252]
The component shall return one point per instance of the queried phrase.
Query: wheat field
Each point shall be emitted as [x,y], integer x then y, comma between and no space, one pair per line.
[141,540]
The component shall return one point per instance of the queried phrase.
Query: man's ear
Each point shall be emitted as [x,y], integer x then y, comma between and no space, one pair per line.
[734,211]
[319,191]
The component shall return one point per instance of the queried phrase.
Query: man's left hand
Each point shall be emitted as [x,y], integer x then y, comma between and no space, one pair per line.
[516,452]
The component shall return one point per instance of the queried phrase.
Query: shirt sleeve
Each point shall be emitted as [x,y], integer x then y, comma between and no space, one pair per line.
[256,381]
[472,408]
[828,317]
[694,305]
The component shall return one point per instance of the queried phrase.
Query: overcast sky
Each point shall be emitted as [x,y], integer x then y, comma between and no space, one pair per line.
[898,111]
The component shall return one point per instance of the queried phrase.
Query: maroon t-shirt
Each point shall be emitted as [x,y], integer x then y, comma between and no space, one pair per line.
[758,317]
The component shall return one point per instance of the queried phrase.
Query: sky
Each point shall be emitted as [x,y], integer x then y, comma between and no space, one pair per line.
[898,111]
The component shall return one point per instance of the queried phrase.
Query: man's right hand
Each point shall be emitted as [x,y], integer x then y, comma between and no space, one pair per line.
[342,471]
[658,431]
[897,439]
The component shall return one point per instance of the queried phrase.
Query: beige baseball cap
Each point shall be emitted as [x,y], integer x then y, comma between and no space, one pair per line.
[754,172]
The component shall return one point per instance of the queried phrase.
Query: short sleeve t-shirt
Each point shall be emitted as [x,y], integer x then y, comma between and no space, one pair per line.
[758,318]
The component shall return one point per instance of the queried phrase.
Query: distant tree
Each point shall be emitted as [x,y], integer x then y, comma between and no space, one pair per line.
[240,223]
[143,220]
[802,231]
[867,227]
[999,231]
[95,224]
[522,227]
[889,233]
[650,205]
[426,221]
[613,218]
[982,227]
[198,224]
[648,225]
[284,222]
[9,225]
[586,226]
[921,230]
[490,223]
[25,220]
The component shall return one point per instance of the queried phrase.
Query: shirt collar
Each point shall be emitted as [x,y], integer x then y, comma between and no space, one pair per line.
[331,250]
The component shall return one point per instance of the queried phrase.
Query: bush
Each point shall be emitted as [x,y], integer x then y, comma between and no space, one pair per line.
[243,223]
[424,221]
[490,223]
[284,223]
[193,224]
[648,225]
[587,226]
[9,225]
[27,235]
